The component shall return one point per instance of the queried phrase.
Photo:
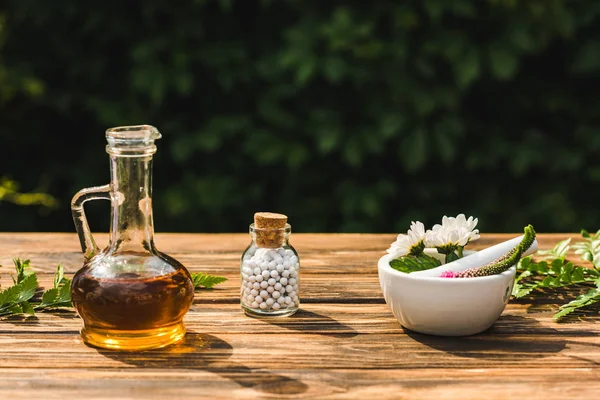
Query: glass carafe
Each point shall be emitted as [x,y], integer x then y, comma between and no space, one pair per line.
[129,295]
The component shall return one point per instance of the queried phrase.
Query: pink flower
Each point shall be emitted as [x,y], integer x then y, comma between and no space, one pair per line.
[447,274]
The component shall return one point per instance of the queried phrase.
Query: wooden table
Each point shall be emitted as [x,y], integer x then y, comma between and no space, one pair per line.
[343,343]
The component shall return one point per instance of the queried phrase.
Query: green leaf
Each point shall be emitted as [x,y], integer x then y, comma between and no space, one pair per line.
[23,269]
[556,266]
[561,249]
[20,292]
[201,279]
[59,275]
[452,256]
[408,264]
[524,263]
[60,294]
[585,233]
[49,296]
[589,298]
[65,292]
[27,308]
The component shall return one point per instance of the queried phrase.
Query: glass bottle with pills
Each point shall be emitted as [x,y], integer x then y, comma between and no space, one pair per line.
[270,269]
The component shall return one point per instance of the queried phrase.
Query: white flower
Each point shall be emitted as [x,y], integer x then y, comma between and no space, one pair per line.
[453,232]
[411,243]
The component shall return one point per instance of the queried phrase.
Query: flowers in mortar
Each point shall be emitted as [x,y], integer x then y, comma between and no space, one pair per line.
[412,243]
[452,235]
[449,238]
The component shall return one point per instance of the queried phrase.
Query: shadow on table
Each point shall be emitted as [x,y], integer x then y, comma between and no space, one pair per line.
[310,322]
[495,346]
[209,353]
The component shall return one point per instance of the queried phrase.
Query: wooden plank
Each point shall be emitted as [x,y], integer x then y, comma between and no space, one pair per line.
[220,253]
[315,318]
[226,383]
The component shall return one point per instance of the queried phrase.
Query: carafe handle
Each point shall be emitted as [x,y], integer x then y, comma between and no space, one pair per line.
[88,244]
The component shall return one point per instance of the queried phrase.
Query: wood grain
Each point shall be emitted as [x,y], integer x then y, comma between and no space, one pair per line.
[343,343]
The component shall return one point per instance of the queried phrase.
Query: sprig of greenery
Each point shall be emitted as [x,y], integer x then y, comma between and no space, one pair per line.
[555,271]
[202,280]
[16,299]
[59,295]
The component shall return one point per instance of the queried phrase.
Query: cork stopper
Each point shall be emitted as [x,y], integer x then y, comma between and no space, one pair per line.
[269,229]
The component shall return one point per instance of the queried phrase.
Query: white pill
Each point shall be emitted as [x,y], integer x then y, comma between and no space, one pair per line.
[294,260]
[264,284]
[252,278]
[294,274]
[287,264]
[292,304]
[292,270]
[264,266]
[296,287]
[283,281]
[274,274]
[272,264]
[258,299]
[281,300]
[256,285]
[278,286]
[272,282]
[269,301]
[263,305]
[270,289]
[257,271]
[292,281]
[276,306]
[254,292]
[272,253]
[251,264]
[278,259]
[265,274]
[276,295]
[247,291]
[260,252]
[288,299]
[295,299]
[280,268]
[250,299]
[254,304]
[289,252]
[285,274]
[259,278]
[264,294]
[281,251]
[289,288]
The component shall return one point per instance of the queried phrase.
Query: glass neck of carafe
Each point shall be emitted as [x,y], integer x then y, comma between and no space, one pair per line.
[132,228]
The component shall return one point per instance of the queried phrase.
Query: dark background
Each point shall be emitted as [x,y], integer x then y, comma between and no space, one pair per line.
[352,116]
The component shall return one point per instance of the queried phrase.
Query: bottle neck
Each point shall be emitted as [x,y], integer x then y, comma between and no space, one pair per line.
[132,227]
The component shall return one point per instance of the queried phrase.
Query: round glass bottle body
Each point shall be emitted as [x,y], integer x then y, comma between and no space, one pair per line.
[270,275]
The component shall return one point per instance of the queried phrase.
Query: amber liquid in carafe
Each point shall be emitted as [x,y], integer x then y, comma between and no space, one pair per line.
[142,311]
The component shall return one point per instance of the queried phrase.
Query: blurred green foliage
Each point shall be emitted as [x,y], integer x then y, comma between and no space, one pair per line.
[347,116]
